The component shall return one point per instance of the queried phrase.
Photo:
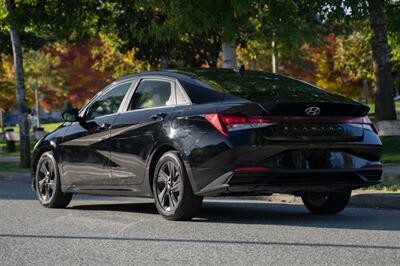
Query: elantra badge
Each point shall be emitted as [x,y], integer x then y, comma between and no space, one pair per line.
[313,111]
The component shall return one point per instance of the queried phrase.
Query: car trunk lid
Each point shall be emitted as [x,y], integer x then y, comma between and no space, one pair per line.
[282,122]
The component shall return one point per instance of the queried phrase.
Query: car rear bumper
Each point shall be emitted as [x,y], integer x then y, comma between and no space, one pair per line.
[290,181]
[255,171]
[293,166]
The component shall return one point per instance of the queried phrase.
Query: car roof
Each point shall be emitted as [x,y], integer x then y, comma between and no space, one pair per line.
[166,73]
[187,74]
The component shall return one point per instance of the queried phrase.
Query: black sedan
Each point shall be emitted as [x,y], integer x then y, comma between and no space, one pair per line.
[178,136]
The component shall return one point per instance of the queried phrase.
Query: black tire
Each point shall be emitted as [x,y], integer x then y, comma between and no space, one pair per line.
[326,203]
[47,183]
[172,191]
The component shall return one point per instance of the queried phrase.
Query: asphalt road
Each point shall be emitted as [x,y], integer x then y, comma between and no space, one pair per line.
[104,231]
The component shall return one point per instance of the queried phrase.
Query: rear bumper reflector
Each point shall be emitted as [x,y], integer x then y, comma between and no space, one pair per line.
[251,169]
[373,166]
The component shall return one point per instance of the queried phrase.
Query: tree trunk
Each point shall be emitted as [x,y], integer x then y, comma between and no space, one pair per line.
[384,103]
[20,86]
[229,54]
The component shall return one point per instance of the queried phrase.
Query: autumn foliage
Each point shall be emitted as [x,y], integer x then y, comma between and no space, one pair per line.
[82,80]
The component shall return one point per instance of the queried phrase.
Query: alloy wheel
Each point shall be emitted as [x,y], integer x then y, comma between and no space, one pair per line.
[46,180]
[169,186]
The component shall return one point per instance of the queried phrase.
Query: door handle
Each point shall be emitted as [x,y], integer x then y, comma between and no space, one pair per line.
[158,115]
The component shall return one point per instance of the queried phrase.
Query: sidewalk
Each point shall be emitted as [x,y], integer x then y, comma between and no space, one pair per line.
[391,169]
[9,159]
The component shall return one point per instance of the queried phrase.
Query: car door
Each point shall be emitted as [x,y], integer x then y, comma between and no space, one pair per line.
[135,131]
[85,147]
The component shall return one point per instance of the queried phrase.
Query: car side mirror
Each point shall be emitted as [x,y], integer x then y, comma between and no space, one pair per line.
[71,115]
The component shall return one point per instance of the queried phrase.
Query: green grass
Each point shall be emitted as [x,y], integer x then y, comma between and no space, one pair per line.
[52,126]
[11,167]
[47,127]
[391,149]
[390,184]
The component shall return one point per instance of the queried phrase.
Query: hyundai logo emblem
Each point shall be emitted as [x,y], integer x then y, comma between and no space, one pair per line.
[313,111]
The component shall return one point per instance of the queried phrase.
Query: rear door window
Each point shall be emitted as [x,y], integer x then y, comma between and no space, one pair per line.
[152,93]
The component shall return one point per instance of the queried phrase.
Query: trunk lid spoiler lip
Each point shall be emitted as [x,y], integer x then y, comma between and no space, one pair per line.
[267,109]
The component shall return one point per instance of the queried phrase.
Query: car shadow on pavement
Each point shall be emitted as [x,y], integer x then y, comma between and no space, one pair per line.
[236,212]
[145,207]
[295,215]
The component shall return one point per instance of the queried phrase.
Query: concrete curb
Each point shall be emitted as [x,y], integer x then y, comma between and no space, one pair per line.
[359,198]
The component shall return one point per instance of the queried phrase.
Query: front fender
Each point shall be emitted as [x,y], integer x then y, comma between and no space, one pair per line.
[50,142]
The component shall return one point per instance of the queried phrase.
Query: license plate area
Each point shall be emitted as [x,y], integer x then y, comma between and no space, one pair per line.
[313,132]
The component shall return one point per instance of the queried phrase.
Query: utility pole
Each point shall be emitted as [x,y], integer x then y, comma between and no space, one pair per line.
[253,64]
[37,104]
[273,49]
[365,87]
[1,121]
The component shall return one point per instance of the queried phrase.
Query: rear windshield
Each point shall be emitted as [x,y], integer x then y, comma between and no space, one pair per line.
[260,87]
[213,85]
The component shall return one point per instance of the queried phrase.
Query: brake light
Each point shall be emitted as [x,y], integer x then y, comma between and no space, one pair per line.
[365,121]
[358,120]
[226,123]
[214,120]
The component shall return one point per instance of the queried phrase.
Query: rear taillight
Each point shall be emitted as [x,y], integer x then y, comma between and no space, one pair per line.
[227,123]
[364,121]
[358,120]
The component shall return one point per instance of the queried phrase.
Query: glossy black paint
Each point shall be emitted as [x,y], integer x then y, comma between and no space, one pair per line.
[116,154]
[85,152]
[138,132]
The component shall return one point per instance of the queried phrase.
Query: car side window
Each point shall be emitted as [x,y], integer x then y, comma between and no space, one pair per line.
[109,102]
[152,93]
